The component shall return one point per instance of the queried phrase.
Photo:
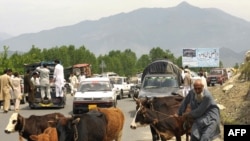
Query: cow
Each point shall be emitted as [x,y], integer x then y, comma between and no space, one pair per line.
[165,125]
[33,125]
[115,122]
[91,126]
[49,134]
[164,107]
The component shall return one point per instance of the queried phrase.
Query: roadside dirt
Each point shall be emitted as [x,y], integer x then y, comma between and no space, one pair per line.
[235,102]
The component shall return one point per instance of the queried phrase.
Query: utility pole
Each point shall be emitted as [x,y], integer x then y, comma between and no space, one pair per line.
[102,65]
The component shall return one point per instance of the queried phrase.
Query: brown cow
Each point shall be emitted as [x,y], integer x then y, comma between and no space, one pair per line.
[166,126]
[33,125]
[115,122]
[162,111]
[49,134]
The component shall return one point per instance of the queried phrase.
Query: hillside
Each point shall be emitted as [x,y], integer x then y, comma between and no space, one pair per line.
[236,101]
[175,28]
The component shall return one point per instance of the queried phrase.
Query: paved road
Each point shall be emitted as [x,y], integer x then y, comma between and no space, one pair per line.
[127,105]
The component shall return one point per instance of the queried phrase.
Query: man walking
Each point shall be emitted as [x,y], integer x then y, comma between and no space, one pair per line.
[187,82]
[29,88]
[44,81]
[5,85]
[73,83]
[59,80]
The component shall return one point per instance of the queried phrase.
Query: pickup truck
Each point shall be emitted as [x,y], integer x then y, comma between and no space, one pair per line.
[217,76]
[160,78]
[122,85]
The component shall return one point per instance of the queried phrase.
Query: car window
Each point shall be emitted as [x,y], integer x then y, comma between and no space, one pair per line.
[158,82]
[116,80]
[216,72]
[95,86]
[170,83]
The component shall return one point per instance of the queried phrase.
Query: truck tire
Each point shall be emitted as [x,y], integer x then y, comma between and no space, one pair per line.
[121,93]
[119,97]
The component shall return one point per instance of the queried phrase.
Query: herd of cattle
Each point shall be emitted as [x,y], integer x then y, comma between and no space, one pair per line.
[104,124]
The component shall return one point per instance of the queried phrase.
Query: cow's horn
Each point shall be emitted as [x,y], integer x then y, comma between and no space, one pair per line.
[76,120]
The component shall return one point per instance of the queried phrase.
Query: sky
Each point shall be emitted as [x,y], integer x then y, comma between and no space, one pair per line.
[31,16]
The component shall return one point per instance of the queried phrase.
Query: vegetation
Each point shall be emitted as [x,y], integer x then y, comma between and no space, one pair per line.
[245,71]
[122,62]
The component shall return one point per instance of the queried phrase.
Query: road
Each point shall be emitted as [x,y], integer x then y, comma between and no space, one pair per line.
[127,105]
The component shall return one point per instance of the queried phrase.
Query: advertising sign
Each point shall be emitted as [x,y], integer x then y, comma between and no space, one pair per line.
[201,57]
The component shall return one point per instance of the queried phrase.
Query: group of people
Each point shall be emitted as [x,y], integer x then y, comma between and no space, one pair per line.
[41,77]
[74,81]
[10,89]
[205,113]
[10,85]
[188,82]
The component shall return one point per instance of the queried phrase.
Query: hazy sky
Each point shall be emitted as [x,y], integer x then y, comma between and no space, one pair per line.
[28,16]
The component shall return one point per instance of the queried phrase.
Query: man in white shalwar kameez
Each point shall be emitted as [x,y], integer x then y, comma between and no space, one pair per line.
[59,79]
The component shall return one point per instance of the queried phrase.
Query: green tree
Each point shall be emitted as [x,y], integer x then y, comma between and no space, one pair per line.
[142,62]
[128,59]
[156,53]
[220,64]
[4,59]
[236,66]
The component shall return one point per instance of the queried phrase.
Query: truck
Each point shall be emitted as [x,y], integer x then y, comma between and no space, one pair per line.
[217,76]
[122,86]
[46,103]
[160,78]
[77,69]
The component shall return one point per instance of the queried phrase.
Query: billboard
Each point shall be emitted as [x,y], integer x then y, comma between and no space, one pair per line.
[201,57]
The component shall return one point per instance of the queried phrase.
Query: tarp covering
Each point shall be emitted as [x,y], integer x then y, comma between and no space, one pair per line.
[163,66]
[80,65]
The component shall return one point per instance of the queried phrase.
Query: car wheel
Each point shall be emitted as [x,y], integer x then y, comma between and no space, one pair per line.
[129,95]
[121,94]
[222,82]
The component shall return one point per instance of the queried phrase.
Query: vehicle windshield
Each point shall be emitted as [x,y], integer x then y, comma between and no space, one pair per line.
[216,72]
[116,80]
[95,86]
[159,82]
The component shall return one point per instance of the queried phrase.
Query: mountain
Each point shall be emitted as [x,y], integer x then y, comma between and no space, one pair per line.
[175,28]
[4,36]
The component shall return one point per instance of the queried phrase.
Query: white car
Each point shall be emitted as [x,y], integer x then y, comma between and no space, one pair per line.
[92,93]
[121,85]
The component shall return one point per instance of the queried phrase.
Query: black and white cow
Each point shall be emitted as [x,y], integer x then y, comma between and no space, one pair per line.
[33,125]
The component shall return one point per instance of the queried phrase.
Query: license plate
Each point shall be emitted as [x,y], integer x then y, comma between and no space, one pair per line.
[92,106]
[213,81]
